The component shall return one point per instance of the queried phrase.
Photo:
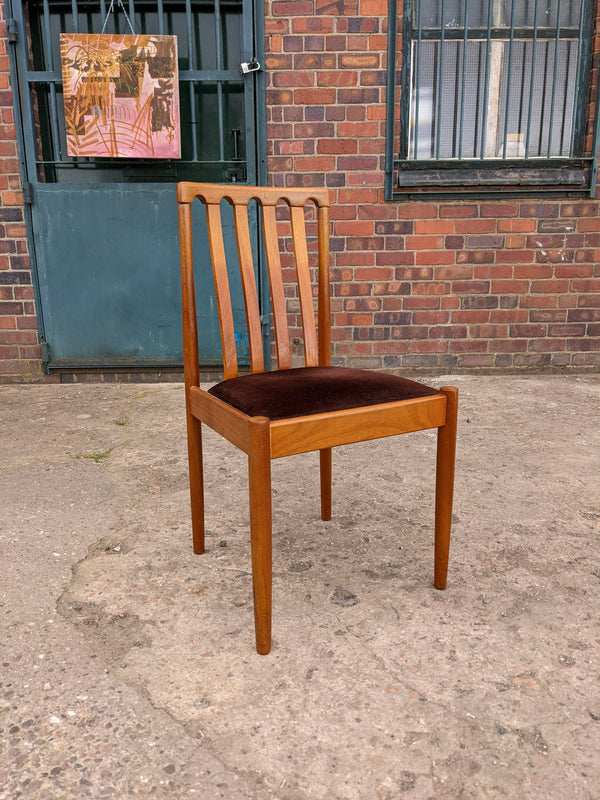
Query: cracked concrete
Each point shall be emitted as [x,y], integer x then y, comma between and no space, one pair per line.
[128,663]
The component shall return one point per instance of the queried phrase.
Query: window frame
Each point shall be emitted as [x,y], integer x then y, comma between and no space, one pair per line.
[408,178]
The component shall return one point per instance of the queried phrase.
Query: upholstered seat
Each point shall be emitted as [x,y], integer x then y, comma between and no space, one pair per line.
[299,392]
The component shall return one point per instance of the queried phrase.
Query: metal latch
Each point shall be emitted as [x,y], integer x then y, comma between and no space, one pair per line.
[27,193]
[249,66]
[12,30]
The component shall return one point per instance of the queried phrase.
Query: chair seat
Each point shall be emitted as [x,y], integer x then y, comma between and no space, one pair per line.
[313,390]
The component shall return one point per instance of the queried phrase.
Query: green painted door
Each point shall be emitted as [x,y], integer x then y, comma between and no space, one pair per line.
[104,230]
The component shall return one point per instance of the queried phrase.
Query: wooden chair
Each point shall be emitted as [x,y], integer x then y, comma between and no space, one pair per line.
[292,410]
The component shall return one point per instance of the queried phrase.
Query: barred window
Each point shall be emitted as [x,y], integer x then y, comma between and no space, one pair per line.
[492,93]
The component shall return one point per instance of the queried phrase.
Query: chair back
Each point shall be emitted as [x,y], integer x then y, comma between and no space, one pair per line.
[317,347]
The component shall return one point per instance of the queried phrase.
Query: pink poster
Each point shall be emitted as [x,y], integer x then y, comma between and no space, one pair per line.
[121,95]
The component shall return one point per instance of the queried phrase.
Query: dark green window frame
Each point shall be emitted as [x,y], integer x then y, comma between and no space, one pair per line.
[442,106]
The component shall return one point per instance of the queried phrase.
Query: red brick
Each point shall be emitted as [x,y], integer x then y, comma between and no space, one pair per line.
[316,96]
[424,242]
[509,287]
[430,317]
[434,257]
[353,228]
[538,210]
[469,346]
[500,316]
[292,8]
[362,243]
[342,7]
[284,79]
[409,332]
[431,227]
[471,316]
[358,129]
[359,60]
[586,286]
[418,211]
[365,96]
[516,225]
[398,258]
[373,8]
[423,302]
[510,346]
[453,272]
[589,225]
[429,346]
[587,209]
[546,345]
[314,164]
[364,164]
[315,61]
[280,97]
[554,256]
[475,225]
[573,270]
[431,287]
[312,25]
[539,301]
[475,257]
[458,211]
[357,196]
[514,256]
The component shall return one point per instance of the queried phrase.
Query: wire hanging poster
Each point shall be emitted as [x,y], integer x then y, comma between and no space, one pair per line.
[121,95]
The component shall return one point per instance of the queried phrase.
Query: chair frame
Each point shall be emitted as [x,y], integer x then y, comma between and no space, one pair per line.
[263,439]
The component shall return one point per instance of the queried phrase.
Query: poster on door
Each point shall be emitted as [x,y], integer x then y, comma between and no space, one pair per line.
[121,95]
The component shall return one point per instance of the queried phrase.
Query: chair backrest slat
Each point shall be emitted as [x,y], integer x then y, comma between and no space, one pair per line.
[242,233]
[324,298]
[316,351]
[278,302]
[219,265]
[307,309]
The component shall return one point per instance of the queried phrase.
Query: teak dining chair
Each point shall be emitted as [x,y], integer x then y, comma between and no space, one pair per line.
[292,409]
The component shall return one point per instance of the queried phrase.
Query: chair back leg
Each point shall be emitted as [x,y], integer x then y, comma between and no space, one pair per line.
[325,470]
[259,479]
[444,486]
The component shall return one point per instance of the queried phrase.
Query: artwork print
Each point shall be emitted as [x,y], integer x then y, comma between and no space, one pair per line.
[121,95]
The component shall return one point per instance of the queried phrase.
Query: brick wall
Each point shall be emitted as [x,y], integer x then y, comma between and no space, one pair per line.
[436,286]
[433,285]
[19,347]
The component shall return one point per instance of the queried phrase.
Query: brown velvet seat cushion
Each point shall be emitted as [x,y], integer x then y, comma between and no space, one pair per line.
[313,390]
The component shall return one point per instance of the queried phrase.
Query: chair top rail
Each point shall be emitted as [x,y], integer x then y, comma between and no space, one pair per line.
[211,193]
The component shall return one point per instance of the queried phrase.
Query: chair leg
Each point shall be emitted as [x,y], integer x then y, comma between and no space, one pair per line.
[259,478]
[325,457]
[444,486]
[194,438]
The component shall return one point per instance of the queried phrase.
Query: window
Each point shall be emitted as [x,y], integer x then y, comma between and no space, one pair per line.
[493,95]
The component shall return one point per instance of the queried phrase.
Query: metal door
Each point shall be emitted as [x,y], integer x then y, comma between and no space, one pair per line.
[104,231]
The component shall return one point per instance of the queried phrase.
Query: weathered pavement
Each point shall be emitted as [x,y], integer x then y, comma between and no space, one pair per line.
[127,664]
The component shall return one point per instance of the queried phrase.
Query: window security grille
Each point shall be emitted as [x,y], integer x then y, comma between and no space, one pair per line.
[209,36]
[488,85]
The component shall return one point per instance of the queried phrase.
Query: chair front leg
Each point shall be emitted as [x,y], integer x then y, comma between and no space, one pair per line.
[325,464]
[259,475]
[196,478]
[444,486]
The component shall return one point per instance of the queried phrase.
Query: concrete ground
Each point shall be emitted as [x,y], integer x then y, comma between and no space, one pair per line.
[128,666]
